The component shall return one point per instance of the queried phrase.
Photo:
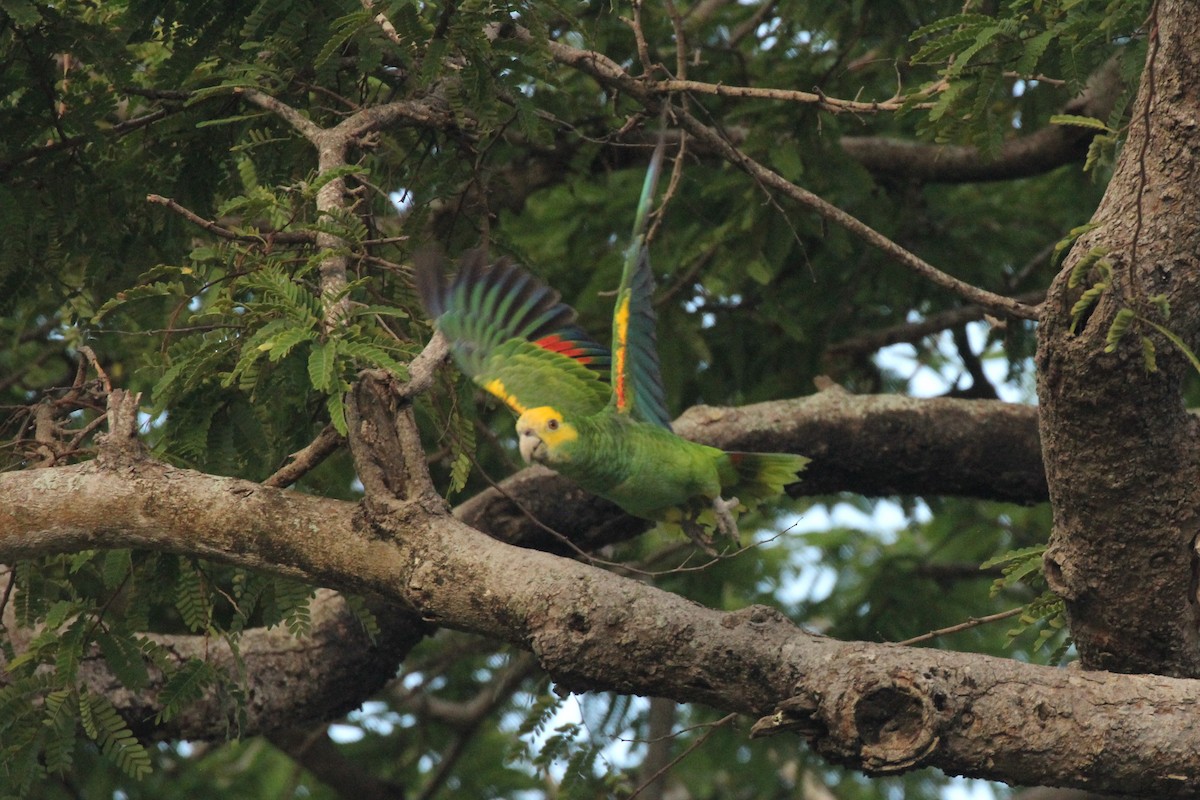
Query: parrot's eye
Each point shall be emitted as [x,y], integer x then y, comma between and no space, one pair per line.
[552,425]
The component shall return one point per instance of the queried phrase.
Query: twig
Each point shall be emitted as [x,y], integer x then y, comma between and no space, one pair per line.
[973,622]
[423,367]
[306,459]
[913,331]
[8,590]
[823,101]
[608,72]
[90,355]
[72,141]
[639,38]
[385,24]
[483,705]
[722,722]
[282,237]
[772,180]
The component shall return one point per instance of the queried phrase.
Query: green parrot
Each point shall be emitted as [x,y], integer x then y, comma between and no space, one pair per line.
[599,418]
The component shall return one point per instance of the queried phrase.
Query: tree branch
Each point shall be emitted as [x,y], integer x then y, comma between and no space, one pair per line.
[290,680]
[879,708]
[609,73]
[283,237]
[1020,157]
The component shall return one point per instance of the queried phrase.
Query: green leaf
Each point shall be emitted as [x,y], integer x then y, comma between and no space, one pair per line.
[1086,301]
[1065,244]
[1117,330]
[1148,355]
[1084,265]
[1080,122]
[1174,339]
[104,726]
[117,566]
[375,356]
[185,685]
[62,712]
[23,13]
[191,599]
[322,365]
[123,653]
[336,407]
[283,342]
[358,607]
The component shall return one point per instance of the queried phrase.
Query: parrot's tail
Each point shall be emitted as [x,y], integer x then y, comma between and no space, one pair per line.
[763,475]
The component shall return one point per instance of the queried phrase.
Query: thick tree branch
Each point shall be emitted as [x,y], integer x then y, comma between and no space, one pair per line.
[291,680]
[876,707]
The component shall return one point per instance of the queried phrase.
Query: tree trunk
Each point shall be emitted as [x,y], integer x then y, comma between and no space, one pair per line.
[1118,444]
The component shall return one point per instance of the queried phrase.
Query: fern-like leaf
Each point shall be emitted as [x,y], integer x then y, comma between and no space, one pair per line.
[191,599]
[104,726]
[184,686]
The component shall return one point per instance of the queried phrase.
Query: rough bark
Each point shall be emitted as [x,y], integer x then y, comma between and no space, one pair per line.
[292,679]
[1120,448]
[880,708]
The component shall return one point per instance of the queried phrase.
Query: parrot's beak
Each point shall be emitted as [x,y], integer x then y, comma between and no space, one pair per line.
[531,445]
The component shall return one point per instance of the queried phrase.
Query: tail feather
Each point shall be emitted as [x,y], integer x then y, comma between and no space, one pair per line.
[758,476]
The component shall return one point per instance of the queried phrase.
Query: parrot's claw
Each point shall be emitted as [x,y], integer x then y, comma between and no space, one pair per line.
[702,533]
[726,524]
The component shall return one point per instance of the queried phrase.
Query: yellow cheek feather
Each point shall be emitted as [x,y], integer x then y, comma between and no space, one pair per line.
[549,426]
[496,387]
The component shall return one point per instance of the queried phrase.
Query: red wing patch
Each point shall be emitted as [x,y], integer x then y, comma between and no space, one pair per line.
[558,344]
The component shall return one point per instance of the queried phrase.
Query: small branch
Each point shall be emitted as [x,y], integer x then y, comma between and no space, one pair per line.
[121,443]
[822,101]
[609,73]
[303,125]
[973,622]
[305,460]
[914,331]
[722,722]
[282,237]
[1032,154]
[385,24]
[769,179]
[423,368]
[313,750]
[466,716]
[73,141]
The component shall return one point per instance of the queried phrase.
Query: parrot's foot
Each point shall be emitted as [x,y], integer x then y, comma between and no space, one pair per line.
[702,533]
[726,524]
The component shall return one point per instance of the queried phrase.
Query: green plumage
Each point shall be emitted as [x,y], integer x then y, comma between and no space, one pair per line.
[597,417]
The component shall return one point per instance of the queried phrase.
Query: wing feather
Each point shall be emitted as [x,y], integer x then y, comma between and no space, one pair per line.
[636,371]
[512,334]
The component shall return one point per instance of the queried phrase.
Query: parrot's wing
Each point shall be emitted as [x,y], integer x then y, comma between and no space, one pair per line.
[636,374]
[513,336]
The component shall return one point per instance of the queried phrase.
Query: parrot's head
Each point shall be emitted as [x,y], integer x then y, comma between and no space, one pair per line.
[542,433]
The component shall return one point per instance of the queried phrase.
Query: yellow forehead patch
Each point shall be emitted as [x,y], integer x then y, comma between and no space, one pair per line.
[496,387]
[549,425]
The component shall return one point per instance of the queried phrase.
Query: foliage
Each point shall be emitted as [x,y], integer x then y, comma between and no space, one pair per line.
[244,357]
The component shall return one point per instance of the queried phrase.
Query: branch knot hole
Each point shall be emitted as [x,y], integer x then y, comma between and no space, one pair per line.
[896,723]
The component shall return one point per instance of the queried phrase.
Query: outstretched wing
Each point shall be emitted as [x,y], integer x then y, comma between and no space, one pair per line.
[513,336]
[636,374]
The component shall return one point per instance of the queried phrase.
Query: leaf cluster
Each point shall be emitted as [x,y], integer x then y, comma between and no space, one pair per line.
[978,56]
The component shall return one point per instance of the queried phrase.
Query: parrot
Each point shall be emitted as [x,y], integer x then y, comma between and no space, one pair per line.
[595,415]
